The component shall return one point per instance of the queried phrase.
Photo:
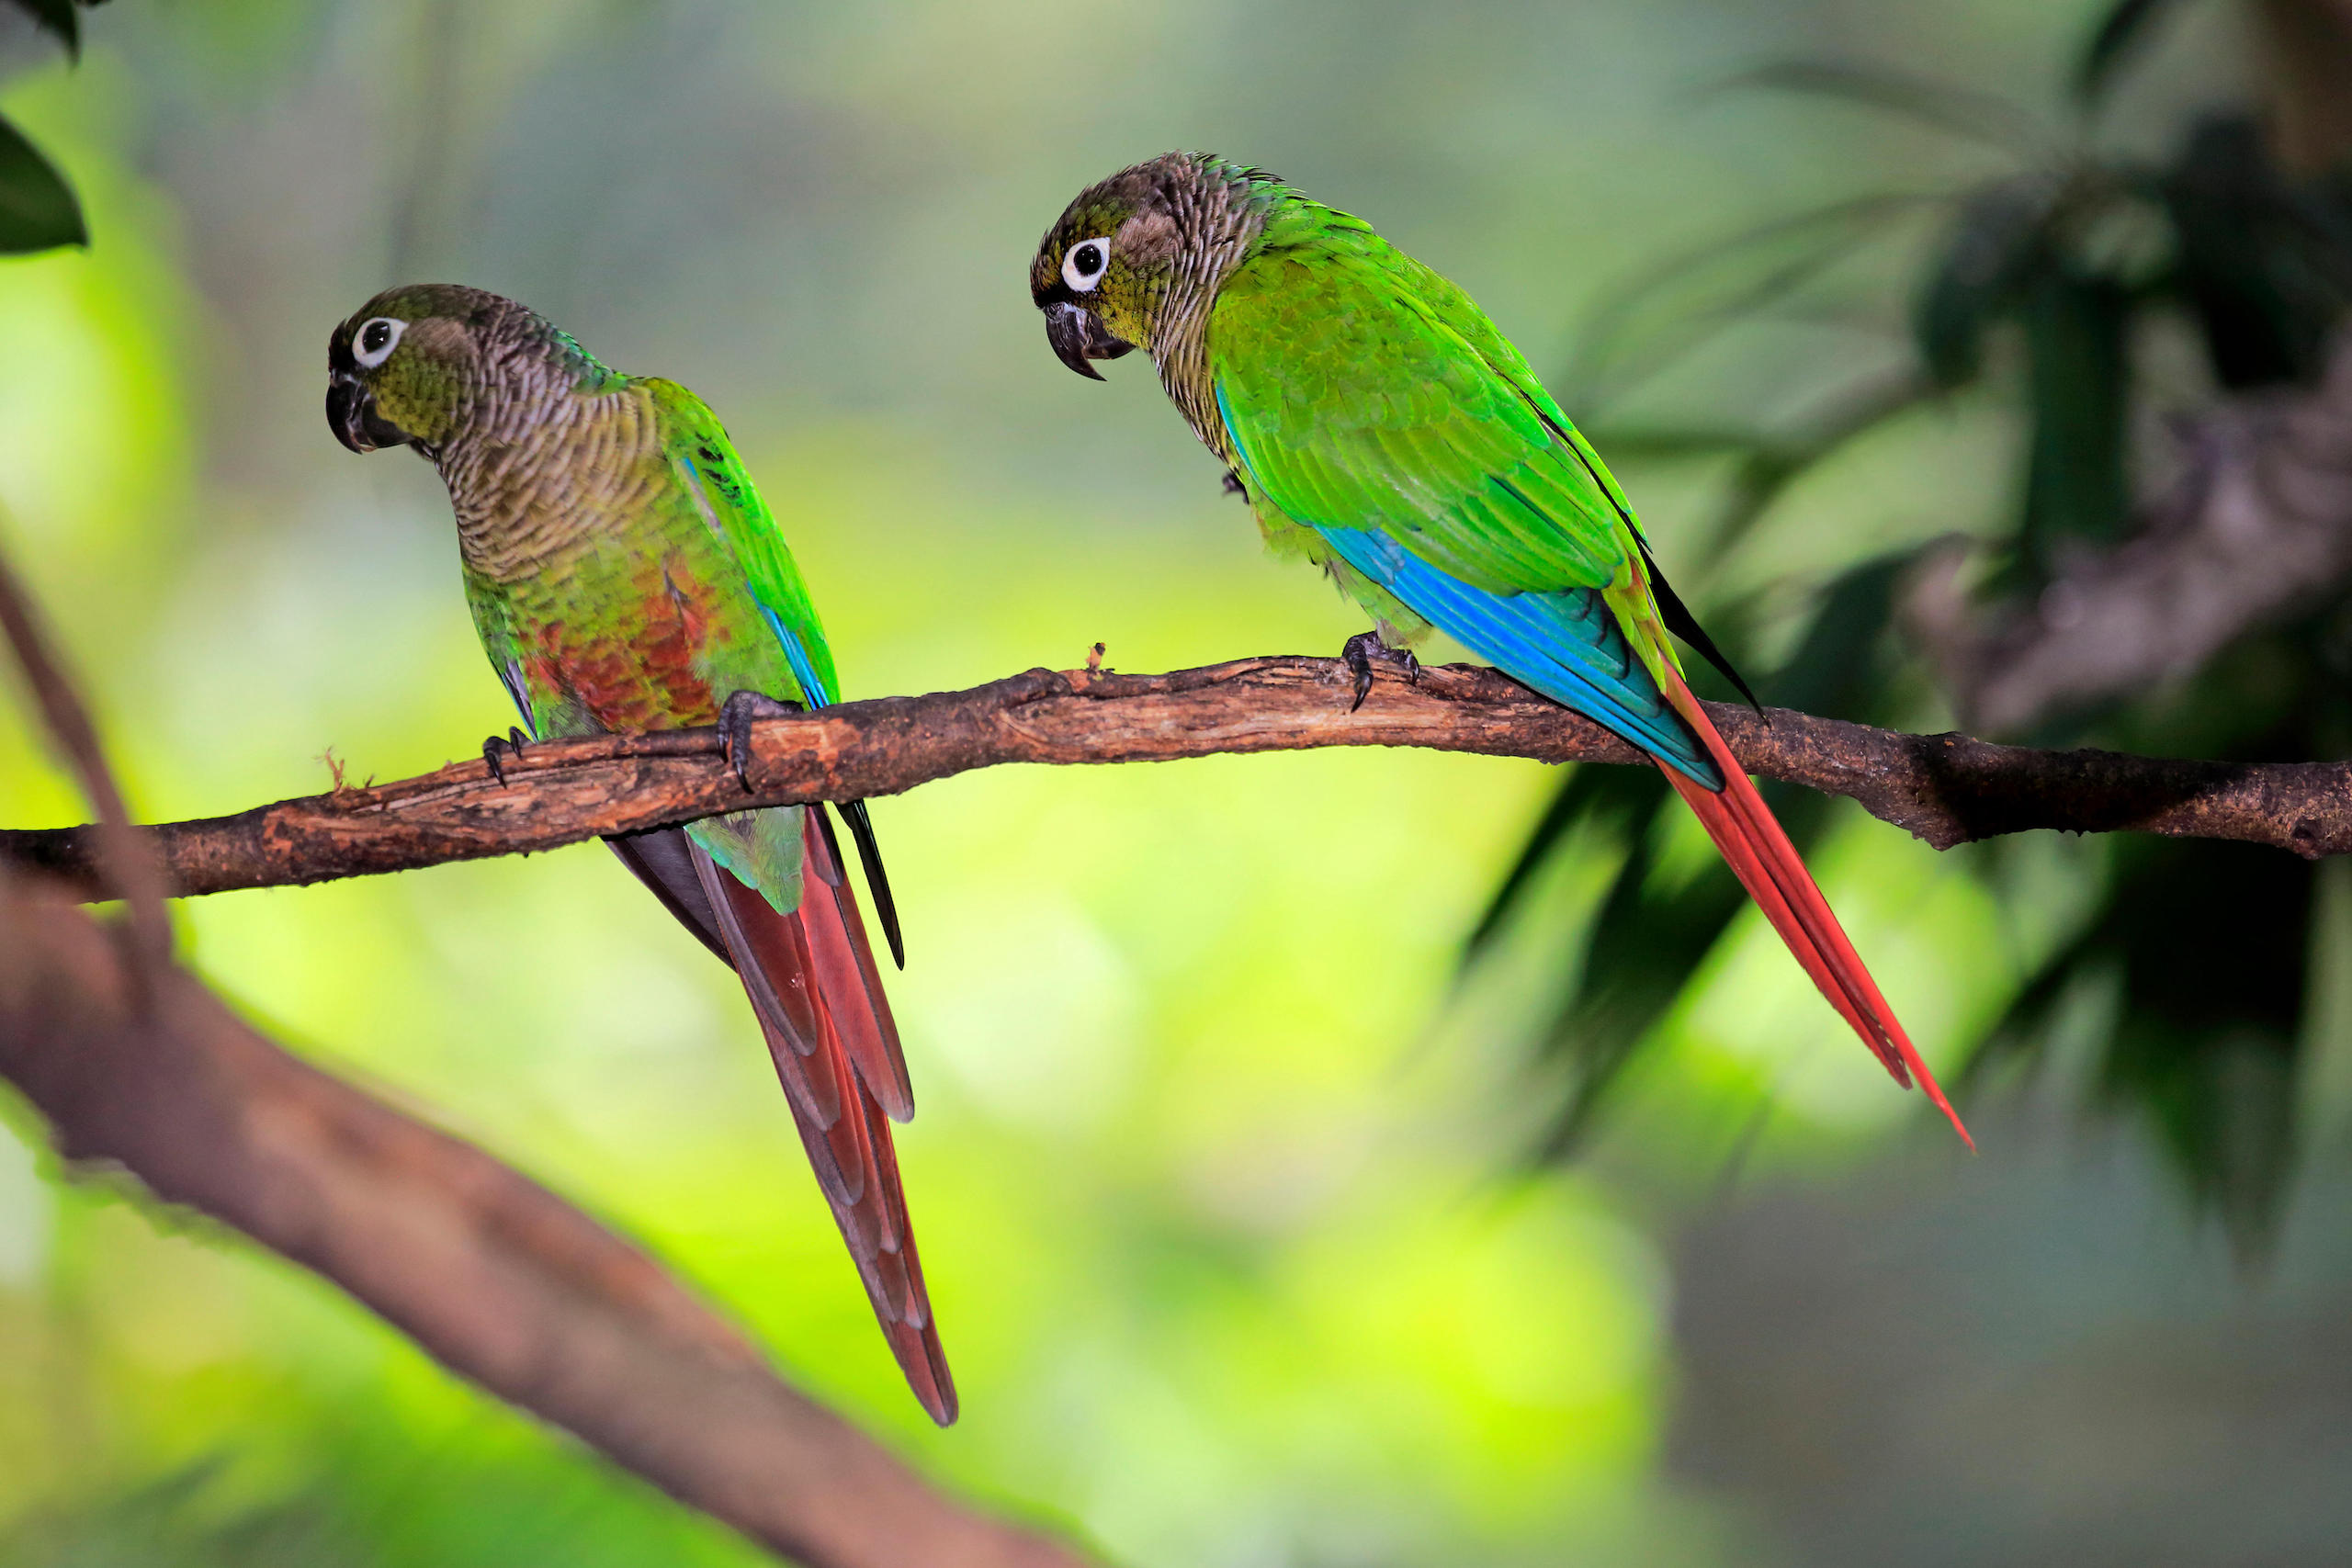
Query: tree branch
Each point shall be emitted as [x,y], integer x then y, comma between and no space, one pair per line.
[1946,789]
[500,1279]
[2257,528]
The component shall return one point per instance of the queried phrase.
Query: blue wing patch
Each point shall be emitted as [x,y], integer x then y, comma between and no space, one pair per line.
[1566,644]
[797,657]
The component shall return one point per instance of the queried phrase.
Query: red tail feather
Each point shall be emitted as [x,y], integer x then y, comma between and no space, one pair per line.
[1767,866]
[811,979]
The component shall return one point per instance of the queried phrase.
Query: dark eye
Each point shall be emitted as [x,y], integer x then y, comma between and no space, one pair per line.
[1083,266]
[373,342]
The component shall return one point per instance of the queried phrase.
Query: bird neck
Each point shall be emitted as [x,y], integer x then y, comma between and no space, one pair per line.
[1221,229]
[536,473]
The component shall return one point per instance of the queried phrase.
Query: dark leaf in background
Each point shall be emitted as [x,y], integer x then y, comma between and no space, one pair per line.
[37,212]
[2079,395]
[1764,465]
[1981,117]
[2121,33]
[57,16]
[1999,240]
[1649,935]
[1645,938]
[2209,941]
[2264,260]
[1677,306]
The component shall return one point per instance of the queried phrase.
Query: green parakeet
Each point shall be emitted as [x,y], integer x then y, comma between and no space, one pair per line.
[625,576]
[1383,429]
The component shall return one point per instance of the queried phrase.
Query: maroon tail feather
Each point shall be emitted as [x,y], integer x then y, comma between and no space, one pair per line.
[811,978]
[1766,864]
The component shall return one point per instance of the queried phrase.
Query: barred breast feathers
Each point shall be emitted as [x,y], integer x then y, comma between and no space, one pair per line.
[547,466]
[1216,212]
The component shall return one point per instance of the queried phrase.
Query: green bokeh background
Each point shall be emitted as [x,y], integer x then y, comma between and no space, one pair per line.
[1218,1175]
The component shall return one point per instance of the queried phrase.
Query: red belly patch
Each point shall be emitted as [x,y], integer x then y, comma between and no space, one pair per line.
[637,670]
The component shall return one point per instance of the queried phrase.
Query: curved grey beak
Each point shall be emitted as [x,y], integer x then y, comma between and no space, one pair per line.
[351,415]
[1078,338]
[344,396]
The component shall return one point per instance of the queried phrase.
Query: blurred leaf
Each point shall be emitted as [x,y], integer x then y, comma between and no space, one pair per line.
[57,16]
[2211,942]
[2125,28]
[2265,262]
[2079,394]
[1574,803]
[2001,236]
[1647,938]
[1676,306]
[1981,117]
[37,212]
[1766,463]
[175,1519]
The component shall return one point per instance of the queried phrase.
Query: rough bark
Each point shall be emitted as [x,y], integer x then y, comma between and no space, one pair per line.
[1946,789]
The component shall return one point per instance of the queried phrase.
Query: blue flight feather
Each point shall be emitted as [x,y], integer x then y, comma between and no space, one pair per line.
[1566,644]
[797,657]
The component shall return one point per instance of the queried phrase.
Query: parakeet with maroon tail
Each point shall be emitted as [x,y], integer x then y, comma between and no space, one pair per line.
[1385,430]
[625,576]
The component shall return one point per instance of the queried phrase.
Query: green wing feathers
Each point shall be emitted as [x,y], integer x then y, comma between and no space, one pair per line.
[730,504]
[1362,392]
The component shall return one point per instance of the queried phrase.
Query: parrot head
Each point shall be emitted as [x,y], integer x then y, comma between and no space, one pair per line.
[407,369]
[1139,256]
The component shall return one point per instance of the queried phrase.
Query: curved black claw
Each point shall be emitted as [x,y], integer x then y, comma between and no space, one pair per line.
[498,748]
[1359,652]
[735,720]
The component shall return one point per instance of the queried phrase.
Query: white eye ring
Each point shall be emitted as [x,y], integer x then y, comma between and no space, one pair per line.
[371,354]
[1084,263]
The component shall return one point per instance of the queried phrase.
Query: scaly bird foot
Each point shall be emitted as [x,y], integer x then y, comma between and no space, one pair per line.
[1362,649]
[498,748]
[735,720]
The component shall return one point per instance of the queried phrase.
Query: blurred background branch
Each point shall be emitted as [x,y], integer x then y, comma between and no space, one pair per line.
[2258,528]
[503,1281]
[1945,789]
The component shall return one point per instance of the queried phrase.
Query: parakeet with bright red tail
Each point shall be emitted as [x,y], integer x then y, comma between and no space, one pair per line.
[625,576]
[1383,429]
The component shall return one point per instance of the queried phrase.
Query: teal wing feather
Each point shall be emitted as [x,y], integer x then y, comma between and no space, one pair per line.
[1372,401]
